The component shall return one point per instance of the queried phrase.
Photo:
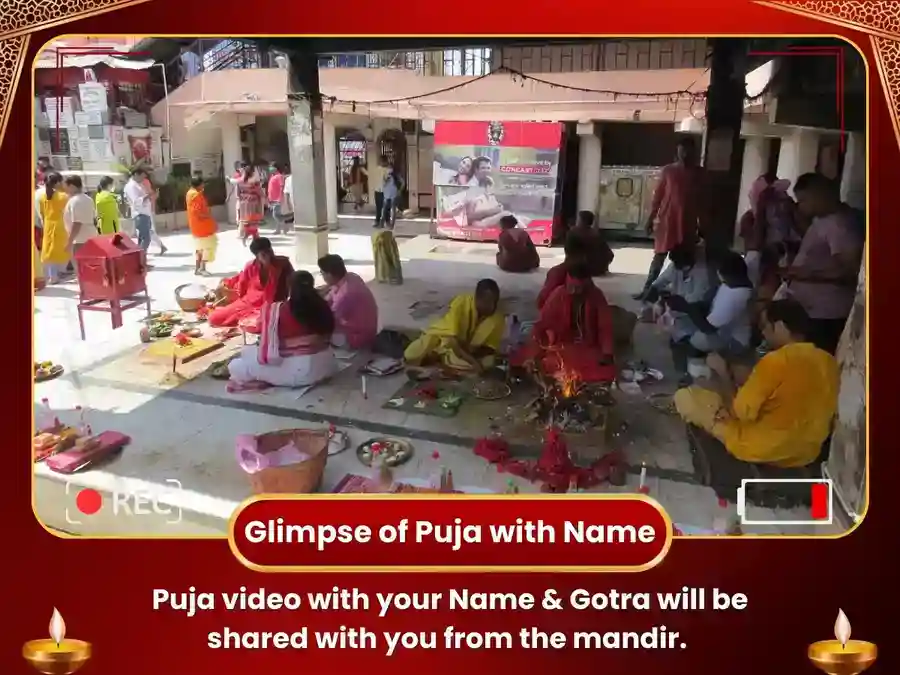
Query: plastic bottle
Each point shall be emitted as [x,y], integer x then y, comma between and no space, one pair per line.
[438,478]
[46,419]
[84,429]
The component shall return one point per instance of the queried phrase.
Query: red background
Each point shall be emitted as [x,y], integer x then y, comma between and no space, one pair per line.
[104,588]
[374,513]
[540,135]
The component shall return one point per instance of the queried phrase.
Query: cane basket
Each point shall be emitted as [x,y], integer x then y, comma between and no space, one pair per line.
[301,478]
[224,295]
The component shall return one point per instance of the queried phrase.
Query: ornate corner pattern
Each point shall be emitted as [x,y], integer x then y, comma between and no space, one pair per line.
[879,19]
[887,55]
[18,17]
[12,61]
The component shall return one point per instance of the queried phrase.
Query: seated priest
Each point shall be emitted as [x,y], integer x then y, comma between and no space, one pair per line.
[263,281]
[467,337]
[574,333]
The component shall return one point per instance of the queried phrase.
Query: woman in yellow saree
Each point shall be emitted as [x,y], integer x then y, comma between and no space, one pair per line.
[55,250]
[467,337]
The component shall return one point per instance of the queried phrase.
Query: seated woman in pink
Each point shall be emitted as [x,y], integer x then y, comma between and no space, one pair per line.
[294,348]
[354,307]
[263,281]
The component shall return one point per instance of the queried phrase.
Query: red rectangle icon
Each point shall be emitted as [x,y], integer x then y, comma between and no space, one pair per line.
[812,492]
[820,498]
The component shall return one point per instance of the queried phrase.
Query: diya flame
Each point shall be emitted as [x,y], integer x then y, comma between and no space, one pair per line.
[842,628]
[57,627]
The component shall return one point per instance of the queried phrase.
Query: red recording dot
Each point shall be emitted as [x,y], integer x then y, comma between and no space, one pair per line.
[89,501]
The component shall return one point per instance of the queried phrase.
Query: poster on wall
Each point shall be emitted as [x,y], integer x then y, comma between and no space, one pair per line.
[486,170]
[626,197]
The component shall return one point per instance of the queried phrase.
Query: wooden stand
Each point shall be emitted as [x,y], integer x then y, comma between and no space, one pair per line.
[114,307]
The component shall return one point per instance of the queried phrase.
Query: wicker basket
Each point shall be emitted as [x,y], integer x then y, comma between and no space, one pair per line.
[188,304]
[302,478]
[224,295]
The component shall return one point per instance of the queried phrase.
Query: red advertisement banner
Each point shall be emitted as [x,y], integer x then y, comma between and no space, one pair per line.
[484,171]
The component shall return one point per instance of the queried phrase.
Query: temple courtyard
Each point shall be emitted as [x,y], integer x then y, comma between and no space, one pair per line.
[183,426]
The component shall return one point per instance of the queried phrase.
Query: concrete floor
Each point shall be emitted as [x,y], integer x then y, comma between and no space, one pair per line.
[183,430]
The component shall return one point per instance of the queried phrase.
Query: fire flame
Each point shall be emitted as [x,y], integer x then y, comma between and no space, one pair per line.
[842,628]
[57,627]
[568,384]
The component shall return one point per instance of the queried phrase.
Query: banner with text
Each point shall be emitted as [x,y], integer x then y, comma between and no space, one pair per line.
[486,170]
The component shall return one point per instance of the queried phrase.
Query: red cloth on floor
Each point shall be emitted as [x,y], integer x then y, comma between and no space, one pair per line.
[554,468]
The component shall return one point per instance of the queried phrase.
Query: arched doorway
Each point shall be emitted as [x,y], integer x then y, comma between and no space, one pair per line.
[391,145]
[351,143]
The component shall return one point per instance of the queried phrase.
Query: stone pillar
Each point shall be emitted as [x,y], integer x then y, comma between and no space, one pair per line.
[724,117]
[329,142]
[231,153]
[847,460]
[305,129]
[853,179]
[589,158]
[756,160]
[799,154]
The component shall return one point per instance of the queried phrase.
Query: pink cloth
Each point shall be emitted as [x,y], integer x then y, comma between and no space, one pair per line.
[355,311]
[276,188]
[780,186]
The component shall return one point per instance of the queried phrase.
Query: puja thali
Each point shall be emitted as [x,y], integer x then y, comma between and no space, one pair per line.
[393,451]
[491,390]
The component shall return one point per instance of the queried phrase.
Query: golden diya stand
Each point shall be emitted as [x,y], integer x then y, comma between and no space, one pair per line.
[56,655]
[842,656]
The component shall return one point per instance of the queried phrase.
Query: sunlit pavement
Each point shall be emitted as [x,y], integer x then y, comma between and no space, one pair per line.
[183,437]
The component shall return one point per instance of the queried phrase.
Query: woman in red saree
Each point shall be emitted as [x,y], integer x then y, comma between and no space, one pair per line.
[574,333]
[251,203]
[263,281]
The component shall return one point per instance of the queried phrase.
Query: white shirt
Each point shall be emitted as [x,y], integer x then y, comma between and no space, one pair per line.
[287,196]
[695,284]
[80,209]
[730,313]
[191,63]
[137,198]
[37,206]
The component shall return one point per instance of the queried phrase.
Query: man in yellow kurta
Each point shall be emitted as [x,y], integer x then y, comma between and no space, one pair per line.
[783,412]
[468,336]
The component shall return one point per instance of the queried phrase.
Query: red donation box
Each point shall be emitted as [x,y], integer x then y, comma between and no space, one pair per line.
[112,277]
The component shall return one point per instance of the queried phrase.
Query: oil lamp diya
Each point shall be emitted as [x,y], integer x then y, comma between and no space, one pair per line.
[842,656]
[57,656]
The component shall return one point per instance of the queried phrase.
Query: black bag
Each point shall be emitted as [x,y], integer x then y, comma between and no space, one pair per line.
[391,343]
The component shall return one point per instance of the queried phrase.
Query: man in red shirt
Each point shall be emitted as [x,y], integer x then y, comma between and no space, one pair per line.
[678,207]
